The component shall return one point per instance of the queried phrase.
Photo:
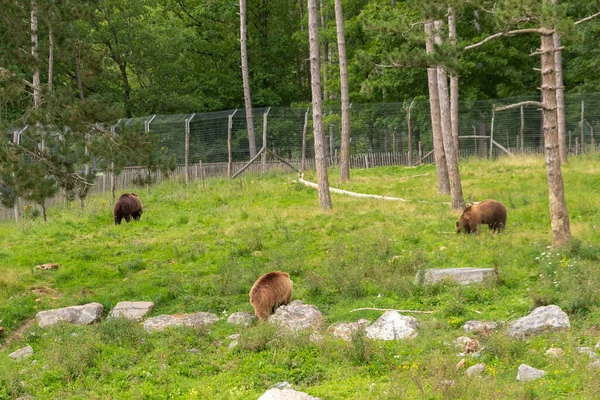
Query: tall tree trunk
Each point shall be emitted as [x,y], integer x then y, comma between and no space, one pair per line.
[37,92]
[50,59]
[434,103]
[345,95]
[78,75]
[315,70]
[458,202]
[126,88]
[246,79]
[453,83]
[409,128]
[560,97]
[324,22]
[559,217]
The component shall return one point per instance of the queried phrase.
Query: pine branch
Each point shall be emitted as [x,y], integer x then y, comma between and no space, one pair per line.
[540,31]
[586,19]
[523,103]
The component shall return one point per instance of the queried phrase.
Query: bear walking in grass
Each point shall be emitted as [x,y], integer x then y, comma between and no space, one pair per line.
[490,212]
[269,292]
[127,206]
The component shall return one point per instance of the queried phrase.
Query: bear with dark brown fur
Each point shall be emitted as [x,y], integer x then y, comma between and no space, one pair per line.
[490,212]
[269,292]
[127,206]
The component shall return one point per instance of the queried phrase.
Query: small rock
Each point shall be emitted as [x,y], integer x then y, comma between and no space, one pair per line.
[475,370]
[134,310]
[589,352]
[594,365]
[393,326]
[554,352]
[597,346]
[47,266]
[447,383]
[346,330]
[297,315]
[79,315]
[234,340]
[196,320]
[241,318]
[483,327]
[527,373]
[285,394]
[21,353]
[193,350]
[542,319]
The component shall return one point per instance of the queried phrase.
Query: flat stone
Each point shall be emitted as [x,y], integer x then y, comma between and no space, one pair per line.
[345,330]
[297,315]
[78,315]
[134,310]
[462,276]
[285,394]
[196,320]
[475,370]
[21,353]
[542,319]
[241,318]
[393,326]
[527,373]
[480,326]
[589,352]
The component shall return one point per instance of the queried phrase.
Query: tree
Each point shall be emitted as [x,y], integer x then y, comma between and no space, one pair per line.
[246,79]
[320,160]
[345,97]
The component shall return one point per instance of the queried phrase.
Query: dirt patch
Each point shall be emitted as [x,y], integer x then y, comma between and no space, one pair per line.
[18,333]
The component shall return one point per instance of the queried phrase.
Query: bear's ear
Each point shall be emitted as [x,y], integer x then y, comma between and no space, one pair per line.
[468,207]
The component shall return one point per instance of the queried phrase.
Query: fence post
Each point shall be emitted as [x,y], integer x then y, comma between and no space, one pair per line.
[492,131]
[366,161]
[569,141]
[593,142]
[304,129]
[582,124]
[264,154]
[576,145]
[113,183]
[187,149]
[409,125]
[229,128]
[420,152]
[522,129]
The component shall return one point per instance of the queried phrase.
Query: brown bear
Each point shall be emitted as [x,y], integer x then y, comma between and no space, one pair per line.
[127,206]
[490,212]
[269,292]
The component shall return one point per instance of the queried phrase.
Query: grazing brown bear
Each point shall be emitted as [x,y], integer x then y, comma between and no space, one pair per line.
[269,292]
[127,206]
[490,212]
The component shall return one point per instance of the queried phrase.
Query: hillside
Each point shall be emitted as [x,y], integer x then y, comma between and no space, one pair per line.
[201,248]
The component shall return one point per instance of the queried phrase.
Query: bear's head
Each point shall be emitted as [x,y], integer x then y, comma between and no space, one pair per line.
[463,222]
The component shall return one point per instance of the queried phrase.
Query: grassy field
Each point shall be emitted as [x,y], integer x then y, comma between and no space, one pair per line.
[201,249]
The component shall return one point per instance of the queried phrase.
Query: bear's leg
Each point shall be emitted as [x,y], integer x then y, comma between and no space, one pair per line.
[128,218]
[472,228]
[118,218]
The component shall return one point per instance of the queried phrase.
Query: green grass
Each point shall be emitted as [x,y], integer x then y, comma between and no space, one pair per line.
[201,249]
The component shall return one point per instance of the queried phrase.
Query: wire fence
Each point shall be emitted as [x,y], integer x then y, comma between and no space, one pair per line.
[208,145]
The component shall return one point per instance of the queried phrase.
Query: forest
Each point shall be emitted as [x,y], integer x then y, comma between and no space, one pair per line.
[106,59]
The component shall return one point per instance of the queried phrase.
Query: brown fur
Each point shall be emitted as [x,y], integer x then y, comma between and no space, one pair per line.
[490,212]
[269,292]
[127,206]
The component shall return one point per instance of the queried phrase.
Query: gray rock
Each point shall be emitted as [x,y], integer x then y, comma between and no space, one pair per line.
[554,352]
[196,320]
[79,315]
[594,365]
[480,326]
[589,352]
[597,346]
[346,330]
[462,276]
[285,394]
[297,315]
[542,319]
[134,310]
[527,373]
[475,370]
[241,318]
[21,353]
[392,326]
[234,340]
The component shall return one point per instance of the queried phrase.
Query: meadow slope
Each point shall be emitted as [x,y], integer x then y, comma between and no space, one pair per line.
[200,248]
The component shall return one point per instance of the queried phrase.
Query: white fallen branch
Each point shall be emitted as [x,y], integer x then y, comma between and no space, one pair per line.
[392,309]
[346,192]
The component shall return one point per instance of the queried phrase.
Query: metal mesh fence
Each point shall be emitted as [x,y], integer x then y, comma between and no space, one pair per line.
[375,128]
